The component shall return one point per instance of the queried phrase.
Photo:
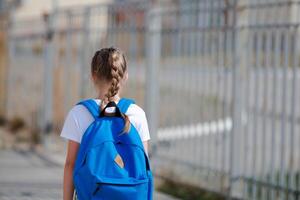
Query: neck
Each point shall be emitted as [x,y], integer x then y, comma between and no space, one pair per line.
[115,98]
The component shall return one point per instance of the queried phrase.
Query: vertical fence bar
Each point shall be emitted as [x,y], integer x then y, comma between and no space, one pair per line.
[198,90]
[209,68]
[133,33]
[153,47]
[229,84]
[224,97]
[84,52]
[202,90]
[218,79]
[48,73]
[265,128]
[283,113]
[205,85]
[294,89]
[236,101]
[255,114]
[68,64]
[274,110]
[293,108]
[219,86]
[240,43]
[11,54]
[247,132]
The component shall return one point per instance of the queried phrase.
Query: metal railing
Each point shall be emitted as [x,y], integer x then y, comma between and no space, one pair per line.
[218,79]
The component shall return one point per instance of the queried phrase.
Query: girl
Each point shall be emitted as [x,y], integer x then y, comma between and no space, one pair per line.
[109,73]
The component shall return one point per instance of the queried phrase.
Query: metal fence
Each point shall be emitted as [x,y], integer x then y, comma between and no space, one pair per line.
[218,79]
[229,117]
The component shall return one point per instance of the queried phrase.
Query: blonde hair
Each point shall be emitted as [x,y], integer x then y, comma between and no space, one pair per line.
[110,64]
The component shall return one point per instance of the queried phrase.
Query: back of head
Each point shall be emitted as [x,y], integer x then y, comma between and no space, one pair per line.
[110,65]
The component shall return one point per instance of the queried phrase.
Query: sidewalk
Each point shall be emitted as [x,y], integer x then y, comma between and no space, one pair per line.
[27,175]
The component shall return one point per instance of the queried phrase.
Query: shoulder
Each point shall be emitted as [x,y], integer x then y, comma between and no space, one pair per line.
[77,110]
[136,110]
[73,125]
[80,115]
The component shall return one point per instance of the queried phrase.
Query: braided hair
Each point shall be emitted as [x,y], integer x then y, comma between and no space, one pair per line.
[110,64]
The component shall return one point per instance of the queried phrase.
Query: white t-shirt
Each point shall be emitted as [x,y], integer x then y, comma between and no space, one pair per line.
[79,119]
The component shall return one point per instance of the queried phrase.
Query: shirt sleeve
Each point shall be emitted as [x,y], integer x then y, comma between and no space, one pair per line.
[70,128]
[143,127]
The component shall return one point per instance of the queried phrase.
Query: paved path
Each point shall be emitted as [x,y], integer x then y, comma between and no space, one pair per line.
[25,175]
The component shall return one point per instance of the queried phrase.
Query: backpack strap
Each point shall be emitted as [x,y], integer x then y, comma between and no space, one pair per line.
[124,104]
[92,107]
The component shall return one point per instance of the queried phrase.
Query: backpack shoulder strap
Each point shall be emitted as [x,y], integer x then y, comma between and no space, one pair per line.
[92,107]
[124,104]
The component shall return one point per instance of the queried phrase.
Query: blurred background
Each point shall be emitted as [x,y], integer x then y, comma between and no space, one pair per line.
[218,79]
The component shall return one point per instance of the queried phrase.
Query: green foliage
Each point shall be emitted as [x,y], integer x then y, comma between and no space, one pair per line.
[188,192]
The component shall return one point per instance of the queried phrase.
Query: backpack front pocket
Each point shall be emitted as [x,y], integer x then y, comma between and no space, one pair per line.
[118,189]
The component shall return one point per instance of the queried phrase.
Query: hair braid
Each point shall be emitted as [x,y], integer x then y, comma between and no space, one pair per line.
[110,64]
[116,76]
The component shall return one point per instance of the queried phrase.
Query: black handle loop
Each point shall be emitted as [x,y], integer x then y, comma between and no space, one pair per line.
[117,112]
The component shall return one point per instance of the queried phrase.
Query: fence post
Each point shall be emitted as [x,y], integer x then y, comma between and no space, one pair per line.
[84,53]
[46,125]
[153,51]
[295,16]
[240,45]
[68,64]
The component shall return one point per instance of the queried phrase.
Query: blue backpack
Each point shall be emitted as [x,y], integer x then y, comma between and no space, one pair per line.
[110,164]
